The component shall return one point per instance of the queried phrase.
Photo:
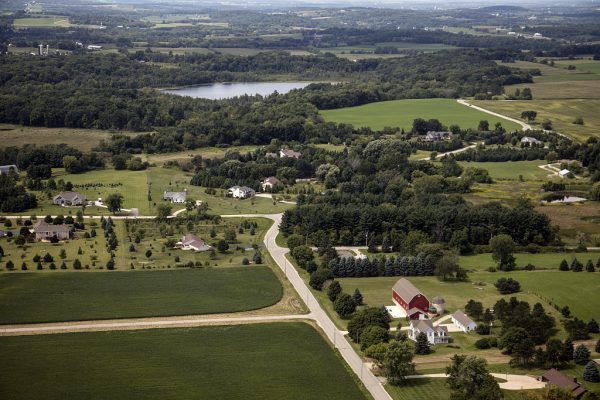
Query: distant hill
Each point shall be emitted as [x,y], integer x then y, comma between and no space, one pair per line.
[501,8]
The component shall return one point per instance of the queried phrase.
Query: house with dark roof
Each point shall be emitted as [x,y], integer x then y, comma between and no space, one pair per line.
[193,242]
[175,197]
[46,231]
[410,299]
[435,334]
[6,169]
[558,379]
[270,182]
[463,321]
[69,199]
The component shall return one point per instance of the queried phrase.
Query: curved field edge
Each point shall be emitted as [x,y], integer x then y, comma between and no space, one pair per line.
[255,361]
[401,113]
[73,296]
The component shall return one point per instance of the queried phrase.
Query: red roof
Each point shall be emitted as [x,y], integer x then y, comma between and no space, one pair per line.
[556,378]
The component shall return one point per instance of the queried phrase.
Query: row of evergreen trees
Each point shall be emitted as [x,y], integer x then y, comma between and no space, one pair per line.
[421,265]
[577,266]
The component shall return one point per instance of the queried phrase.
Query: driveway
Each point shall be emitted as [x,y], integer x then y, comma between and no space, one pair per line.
[513,382]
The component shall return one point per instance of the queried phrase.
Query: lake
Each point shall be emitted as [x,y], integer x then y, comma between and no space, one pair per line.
[217,91]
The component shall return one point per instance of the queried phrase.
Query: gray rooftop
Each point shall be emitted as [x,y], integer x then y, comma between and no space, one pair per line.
[405,289]
[462,318]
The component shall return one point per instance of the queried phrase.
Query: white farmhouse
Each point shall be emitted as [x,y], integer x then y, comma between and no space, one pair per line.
[435,334]
[175,197]
[241,192]
[463,321]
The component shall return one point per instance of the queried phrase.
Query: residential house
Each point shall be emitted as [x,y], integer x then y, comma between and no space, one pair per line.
[433,136]
[531,141]
[46,231]
[283,153]
[192,242]
[435,334]
[463,321]
[271,155]
[564,173]
[556,378]
[269,183]
[241,192]
[175,197]
[410,299]
[6,169]
[69,199]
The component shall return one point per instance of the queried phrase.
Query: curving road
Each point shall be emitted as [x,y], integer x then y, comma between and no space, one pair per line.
[373,385]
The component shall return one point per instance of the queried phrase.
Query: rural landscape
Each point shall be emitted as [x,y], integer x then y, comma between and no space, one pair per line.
[300,200]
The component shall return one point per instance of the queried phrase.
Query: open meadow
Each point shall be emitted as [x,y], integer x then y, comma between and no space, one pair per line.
[511,170]
[54,21]
[261,361]
[561,113]
[401,113]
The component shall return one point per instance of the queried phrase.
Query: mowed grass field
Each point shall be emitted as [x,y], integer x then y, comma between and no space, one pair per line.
[50,297]
[529,170]
[579,290]
[401,113]
[81,139]
[42,22]
[561,112]
[254,362]
[432,389]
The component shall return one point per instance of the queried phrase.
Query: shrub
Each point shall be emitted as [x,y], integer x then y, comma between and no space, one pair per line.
[590,372]
[529,267]
[507,285]
[376,351]
[318,278]
[245,261]
[483,329]
[483,343]
[344,305]
[373,335]
[592,326]
[581,355]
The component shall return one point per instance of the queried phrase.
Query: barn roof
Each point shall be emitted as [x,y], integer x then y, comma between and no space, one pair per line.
[405,289]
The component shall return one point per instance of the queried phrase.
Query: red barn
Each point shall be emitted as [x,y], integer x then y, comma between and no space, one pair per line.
[410,299]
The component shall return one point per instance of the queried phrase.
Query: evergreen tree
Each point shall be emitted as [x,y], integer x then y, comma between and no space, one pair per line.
[590,372]
[422,345]
[592,326]
[10,265]
[576,266]
[257,258]
[589,267]
[344,305]
[76,264]
[385,245]
[357,297]
[581,355]
[564,265]
[63,265]
[23,267]
[334,290]
[598,346]
[389,267]
[567,351]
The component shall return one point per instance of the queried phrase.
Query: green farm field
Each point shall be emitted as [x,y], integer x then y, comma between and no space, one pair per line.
[42,22]
[220,362]
[401,113]
[81,139]
[562,113]
[70,296]
[529,170]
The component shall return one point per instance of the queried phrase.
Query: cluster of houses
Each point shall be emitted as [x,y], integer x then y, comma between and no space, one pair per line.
[284,153]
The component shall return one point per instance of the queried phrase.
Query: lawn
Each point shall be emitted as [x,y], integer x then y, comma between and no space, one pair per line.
[42,22]
[562,113]
[401,113]
[483,261]
[432,389]
[70,296]
[529,170]
[81,139]
[261,361]
[205,152]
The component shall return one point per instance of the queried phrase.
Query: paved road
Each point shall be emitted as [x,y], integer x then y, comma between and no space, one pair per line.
[278,253]
[513,382]
[140,323]
[524,126]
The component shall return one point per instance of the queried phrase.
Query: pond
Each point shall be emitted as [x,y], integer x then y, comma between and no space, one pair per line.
[218,91]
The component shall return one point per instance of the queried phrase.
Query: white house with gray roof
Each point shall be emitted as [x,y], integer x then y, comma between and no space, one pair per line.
[435,334]
[241,192]
[193,242]
[6,169]
[463,321]
[175,197]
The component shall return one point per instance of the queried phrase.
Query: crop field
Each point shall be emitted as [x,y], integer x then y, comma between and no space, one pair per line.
[562,113]
[70,296]
[401,113]
[220,362]
[529,170]
[81,139]
[582,66]
[42,22]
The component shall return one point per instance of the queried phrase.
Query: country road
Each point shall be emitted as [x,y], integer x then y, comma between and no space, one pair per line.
[524,126]
[340,342]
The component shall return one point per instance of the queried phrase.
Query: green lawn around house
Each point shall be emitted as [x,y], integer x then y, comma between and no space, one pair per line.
[255,362]
[432,389]
[401,113]
[529,170]
[49,297]
[539,260]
